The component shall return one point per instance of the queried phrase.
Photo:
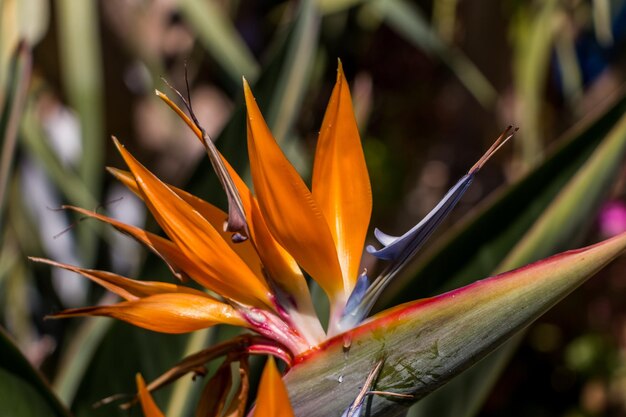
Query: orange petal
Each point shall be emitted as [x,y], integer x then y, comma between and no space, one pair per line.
[288,207]
[129,289]
[225,273]
[212,214]
[163,248]
[272,399]
[341,184]
[148,405]
[278,262]
[236,217]
[166,313]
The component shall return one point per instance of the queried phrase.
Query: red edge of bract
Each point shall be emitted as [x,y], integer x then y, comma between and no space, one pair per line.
[393,314]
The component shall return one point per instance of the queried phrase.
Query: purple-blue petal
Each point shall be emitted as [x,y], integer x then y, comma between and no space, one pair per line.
[405,246]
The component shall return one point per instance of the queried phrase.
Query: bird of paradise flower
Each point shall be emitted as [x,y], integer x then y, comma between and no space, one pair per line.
[253,257]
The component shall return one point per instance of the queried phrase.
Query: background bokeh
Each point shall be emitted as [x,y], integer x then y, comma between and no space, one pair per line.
[433,82]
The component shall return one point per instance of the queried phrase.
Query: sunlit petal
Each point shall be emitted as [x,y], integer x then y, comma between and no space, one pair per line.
[212,214]
[272,398]
[282,270]
[341,184]
[129,289]
[166,313]
[225,272]
[236,214]
[178,263]
[279,264]
[148,405]
[288,207]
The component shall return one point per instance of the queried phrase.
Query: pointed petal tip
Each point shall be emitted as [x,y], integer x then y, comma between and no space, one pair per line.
[272,397]
[383,237]
[246,86]
[117,143]
[148,406]
[44,261]
[339,68]
[249,97]
[116,172]
[386,253]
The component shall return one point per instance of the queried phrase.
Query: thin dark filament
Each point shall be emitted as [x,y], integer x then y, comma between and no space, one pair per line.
[82,218]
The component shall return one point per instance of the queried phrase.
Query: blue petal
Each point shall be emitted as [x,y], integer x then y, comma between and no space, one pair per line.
[354,312]
[405,246]
[401,249]
[384,238]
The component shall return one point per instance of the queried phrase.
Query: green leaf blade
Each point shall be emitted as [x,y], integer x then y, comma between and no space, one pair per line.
[23,391]
[427,342]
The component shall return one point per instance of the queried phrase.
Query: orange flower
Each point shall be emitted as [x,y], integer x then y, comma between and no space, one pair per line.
[254,267]
[253,257]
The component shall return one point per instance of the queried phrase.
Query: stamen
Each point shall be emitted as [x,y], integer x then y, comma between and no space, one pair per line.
[81,218]
[502,139]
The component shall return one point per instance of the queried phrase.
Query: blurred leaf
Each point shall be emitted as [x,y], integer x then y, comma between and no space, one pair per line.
[534,38]
[81,69]
[296,71]
[77,355]
[232,141]
[10,113]
[407,20]
[185,393]
[573,209]
[334,6]
[124,351]
[569,67]
[220,38]
[426,343]
[23,392]
[20,20]
[68,182]
[444,18]
[602,22]
[562,222]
